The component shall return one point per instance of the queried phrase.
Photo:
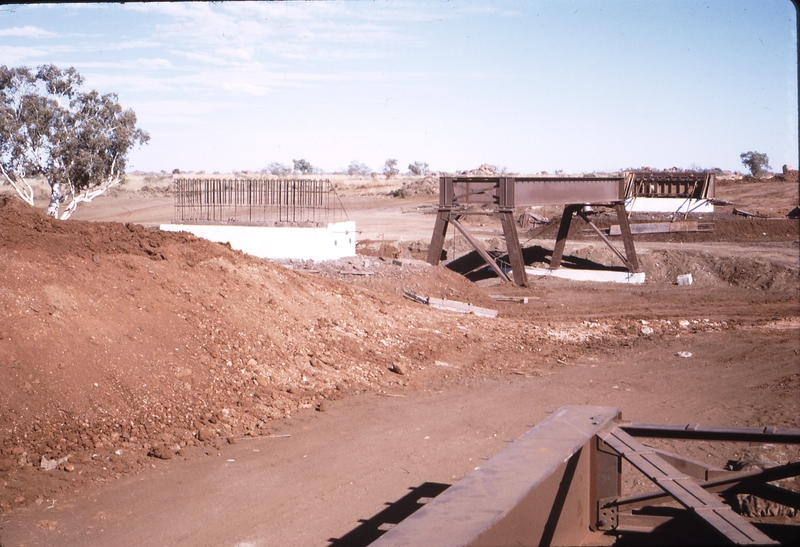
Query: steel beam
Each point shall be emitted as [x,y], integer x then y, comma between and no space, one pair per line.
[481,251]
[713,432]
[513,247]
[561,238]
[685,490]
[530,191]
[535,492]
[439,234]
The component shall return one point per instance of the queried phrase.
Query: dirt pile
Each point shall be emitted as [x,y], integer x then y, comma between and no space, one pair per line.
[425,186]
[118,342]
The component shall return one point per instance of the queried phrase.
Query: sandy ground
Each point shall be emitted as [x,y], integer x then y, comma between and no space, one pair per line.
[208,398]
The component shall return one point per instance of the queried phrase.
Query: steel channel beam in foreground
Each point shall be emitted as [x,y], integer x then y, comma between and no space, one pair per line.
[540,490]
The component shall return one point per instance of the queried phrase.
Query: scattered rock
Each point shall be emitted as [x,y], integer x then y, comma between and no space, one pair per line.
[646,331]
[322,406]
[161,452]
[206,434]
[684,354]
[397,368]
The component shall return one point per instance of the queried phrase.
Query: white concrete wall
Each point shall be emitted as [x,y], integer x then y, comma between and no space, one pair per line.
[668,205]
[338,240]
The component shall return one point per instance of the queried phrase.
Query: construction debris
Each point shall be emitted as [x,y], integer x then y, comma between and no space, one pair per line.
[451,305]
[746,214]
[517,299]
[664,227]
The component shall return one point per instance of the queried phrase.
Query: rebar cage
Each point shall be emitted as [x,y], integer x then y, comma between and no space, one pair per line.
[262,202]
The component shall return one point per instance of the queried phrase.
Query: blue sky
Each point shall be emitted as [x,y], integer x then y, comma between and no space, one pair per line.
[534,86]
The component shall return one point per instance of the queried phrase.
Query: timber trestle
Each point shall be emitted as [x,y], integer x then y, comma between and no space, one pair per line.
[562,481]
[500,195]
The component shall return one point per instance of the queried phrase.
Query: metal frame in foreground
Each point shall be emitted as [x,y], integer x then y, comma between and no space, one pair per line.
[562,479]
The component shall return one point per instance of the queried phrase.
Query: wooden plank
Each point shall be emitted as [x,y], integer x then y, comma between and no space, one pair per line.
[517,299]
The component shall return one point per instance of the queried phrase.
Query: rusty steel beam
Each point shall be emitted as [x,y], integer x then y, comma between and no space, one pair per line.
[532,493]
[530,191]
[722,482]
[685,490]
[605,240]
[714,433]
[513,247]
[562,479]
[438,237]
[561,238]
[481,251]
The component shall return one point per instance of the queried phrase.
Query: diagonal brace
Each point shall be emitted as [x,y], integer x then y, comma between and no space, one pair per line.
[685,490]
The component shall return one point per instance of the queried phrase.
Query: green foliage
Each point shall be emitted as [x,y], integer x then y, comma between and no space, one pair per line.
[418,168]
[390,168]
[757,162]
[358,169]
[49,127]
[303,166]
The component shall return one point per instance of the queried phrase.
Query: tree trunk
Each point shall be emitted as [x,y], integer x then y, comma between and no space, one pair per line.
[55,200]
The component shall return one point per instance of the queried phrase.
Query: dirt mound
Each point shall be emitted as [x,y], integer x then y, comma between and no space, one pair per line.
[120,343]
[789,176]
[425,186]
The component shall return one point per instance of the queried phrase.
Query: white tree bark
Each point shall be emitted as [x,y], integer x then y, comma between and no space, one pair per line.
[21,186]
[55,201]
[87,195]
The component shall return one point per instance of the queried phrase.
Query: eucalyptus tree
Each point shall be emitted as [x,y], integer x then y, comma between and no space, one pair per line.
[78,141]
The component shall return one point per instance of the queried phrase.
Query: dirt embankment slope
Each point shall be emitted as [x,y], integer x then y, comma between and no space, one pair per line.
[118,341]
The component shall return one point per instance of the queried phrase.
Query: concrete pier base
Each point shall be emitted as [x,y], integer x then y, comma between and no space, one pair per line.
[337,240]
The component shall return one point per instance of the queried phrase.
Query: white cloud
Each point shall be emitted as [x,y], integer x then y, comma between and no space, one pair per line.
[141,63]
[26,32]
[16,56]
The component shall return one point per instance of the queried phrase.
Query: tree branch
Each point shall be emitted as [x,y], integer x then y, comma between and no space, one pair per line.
[22,187]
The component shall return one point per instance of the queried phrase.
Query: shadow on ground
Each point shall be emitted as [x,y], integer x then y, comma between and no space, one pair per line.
[473,267]
[373,528]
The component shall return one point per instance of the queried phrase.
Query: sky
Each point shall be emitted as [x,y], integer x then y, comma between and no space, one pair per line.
[533,86]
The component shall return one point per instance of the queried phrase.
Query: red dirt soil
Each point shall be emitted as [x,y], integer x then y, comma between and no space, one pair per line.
[121,346]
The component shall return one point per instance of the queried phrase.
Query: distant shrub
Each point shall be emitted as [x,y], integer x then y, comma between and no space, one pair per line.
[303,166]
[277,169]
[358,169]
[390,168]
